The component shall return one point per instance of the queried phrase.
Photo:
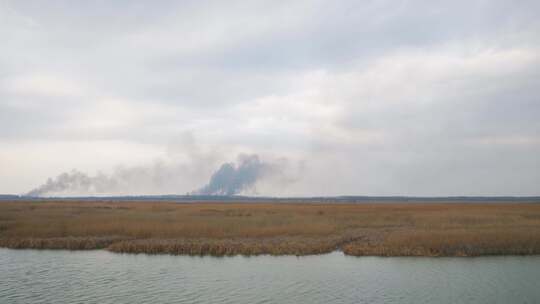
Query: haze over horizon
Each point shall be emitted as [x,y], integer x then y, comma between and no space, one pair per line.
[295,98]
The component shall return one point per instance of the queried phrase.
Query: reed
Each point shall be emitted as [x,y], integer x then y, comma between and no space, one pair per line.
[454,242]
[389,229]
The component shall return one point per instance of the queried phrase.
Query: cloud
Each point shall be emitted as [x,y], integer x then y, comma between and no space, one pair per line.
[43,86]
[374,97]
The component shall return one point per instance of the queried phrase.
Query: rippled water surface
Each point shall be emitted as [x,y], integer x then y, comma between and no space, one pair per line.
[31,276]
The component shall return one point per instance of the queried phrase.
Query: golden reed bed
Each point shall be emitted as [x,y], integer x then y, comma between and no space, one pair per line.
[388,229]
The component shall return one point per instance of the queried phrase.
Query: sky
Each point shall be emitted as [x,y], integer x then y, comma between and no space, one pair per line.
[423,98]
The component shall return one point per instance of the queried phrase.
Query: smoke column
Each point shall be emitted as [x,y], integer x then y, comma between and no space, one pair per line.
[231,179]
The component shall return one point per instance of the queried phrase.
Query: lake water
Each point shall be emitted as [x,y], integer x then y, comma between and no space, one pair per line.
[32,276]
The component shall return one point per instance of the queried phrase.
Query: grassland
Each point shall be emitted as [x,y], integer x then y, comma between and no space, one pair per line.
[389,229]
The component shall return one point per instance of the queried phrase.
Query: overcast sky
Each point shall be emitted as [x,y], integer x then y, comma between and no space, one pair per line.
[347,97]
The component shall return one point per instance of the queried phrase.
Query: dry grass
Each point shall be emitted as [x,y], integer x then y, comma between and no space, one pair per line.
[225,229]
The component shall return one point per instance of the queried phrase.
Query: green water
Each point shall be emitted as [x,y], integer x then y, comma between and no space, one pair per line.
[32,276]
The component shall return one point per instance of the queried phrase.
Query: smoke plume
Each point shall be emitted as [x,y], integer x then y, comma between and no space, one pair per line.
[231,179]
[164,177]
[75,181]
[156,178]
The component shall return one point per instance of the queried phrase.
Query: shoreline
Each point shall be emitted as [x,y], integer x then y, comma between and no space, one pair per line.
[131,247]
[242,247]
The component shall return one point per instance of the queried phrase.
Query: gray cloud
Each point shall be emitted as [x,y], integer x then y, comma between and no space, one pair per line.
[377,97]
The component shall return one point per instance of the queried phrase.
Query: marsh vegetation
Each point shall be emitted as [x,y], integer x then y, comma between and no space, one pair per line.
[385,229]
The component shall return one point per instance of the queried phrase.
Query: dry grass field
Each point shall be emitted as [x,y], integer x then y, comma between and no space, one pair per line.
[389,229]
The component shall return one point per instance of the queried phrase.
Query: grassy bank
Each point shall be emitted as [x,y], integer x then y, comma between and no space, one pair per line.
[226,229]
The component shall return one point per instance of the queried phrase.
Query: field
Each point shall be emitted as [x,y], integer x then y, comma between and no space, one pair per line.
[383,229]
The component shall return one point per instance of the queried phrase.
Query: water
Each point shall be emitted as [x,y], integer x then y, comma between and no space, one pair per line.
[31,276]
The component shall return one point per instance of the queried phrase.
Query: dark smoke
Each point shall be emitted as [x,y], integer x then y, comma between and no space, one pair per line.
[231,179]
